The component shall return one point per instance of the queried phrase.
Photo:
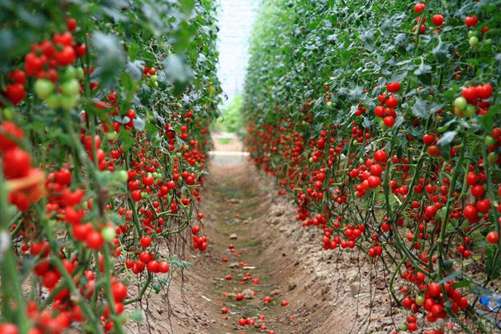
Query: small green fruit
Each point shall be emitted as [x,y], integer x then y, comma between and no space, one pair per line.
[473,41]
[8,113]
[460,103]
[71,88]
[71,72]
[111,135]
[108,233]
[472,33]
[122,175]
[43,88]
[54,101]
[69,102]
[489,140]
[80,73]
[419,300]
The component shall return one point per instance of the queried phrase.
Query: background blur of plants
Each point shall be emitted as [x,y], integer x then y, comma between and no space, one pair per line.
[231,117]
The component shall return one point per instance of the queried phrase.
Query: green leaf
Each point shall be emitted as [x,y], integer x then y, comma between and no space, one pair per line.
[493,262]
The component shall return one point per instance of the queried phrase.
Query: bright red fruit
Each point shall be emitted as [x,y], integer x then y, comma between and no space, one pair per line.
[492,237]
[437,19]
[419,7]
[471,21]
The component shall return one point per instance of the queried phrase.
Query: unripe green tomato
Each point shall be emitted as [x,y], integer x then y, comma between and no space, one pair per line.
[472,33]
[145,195]
[403,327]
[54,101]
[489,140]
[108,233]
[111,135]
[419,300]
[470,111]
[329,103]
[71,87]
[70,73]
[122,175]
[488,41]
[80,73]
[8,113]
[154,78]
[69,102]
[473,41]
[460,103]
[43,88]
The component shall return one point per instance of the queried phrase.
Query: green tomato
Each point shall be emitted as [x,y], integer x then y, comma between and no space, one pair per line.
[489,140]
[111,135]
[54,101]
[473,41]
[43,88]
[8,113]
[460,103]
[419,300]
[69,102]
[472,33]
[71,88]
[145,195]
[70,73]
[108,233]
[488,41]
[80,73]
[122,175]
[470,111]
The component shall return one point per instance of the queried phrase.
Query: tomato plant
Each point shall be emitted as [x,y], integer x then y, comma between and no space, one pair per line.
[104,114]
[380,120]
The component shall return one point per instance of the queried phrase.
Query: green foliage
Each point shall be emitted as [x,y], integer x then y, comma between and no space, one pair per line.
[231,117]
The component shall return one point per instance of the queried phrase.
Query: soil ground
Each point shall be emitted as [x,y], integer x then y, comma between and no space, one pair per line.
[255,240]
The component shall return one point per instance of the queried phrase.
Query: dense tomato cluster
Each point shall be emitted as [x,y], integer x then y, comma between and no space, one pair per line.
[101,168]
[389,147]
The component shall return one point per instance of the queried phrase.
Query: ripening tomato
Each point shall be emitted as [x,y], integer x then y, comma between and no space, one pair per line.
[393,87]
[437,19]
[419,7]
[16,163]
[492,237]
[471,21]
[71,24]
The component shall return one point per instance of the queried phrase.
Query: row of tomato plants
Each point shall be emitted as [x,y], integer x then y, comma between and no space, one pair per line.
[380,119]
[103,143]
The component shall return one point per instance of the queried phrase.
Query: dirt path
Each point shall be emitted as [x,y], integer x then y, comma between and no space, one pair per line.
[259,253]
[241,269]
